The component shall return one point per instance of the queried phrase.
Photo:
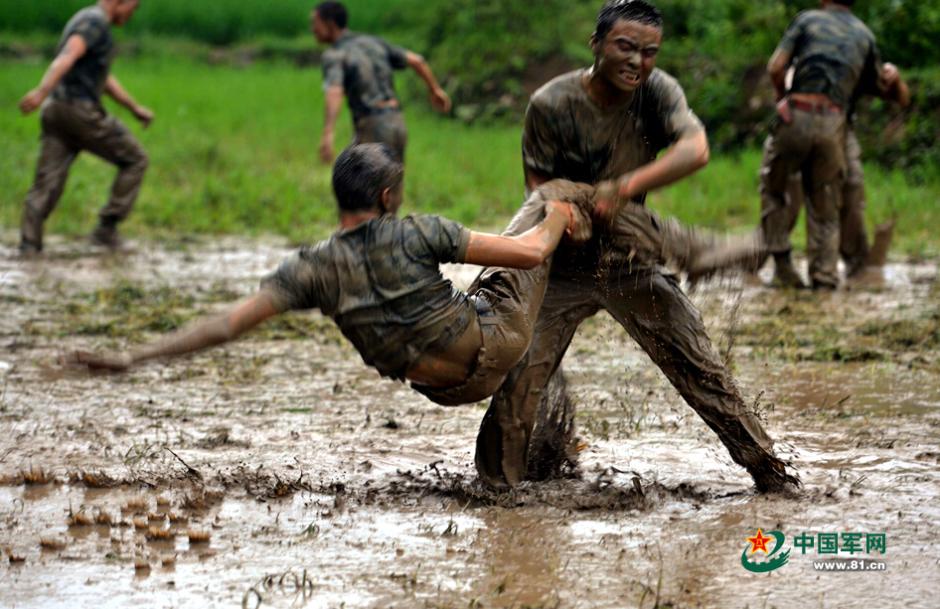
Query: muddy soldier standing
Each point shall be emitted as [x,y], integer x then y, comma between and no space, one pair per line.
[836,61]
[74,120]
[605,125]
[361,67]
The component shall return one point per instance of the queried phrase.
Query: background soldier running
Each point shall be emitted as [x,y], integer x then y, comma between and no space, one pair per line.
[74,120]
[361,67]
[607,125]
[836,61]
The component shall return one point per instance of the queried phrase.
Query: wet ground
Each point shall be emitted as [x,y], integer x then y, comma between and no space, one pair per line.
[280,472]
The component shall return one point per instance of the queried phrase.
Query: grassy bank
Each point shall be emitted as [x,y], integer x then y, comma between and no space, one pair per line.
[233,150]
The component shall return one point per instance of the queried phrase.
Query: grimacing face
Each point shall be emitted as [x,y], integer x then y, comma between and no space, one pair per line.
[627,55]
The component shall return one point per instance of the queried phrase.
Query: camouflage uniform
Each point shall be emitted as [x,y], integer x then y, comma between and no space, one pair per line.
[74,120]
[568,136]
[854,246]
[363,66]
[381,283]
[834,55]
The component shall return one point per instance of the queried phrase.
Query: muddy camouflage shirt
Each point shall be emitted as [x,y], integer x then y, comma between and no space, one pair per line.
[86,79]
[568,136]
[363,66]
[382,285]
[834,53]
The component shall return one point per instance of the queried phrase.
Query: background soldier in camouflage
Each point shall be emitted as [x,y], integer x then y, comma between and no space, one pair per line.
[606,125]
[74,120]
[361,67]
[836,61]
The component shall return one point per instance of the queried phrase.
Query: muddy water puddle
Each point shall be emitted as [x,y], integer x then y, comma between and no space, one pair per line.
[280,472]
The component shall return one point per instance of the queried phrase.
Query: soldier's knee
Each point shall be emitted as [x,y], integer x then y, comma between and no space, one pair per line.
[142,162]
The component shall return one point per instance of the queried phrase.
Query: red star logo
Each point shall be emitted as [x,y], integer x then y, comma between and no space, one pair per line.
[759,542]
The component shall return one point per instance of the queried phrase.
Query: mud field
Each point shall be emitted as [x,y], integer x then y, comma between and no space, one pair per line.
[280,472]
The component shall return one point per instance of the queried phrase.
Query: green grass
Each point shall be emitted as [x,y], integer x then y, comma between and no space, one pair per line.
[233,150]
[219,22]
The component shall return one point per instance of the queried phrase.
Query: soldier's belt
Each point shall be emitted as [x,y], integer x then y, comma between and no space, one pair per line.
[823,106]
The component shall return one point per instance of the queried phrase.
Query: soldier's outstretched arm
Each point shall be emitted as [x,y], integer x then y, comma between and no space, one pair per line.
[439,98]
[200,335]
[689,154]
[532,247]
[73,50]
[777,70]
[113,88]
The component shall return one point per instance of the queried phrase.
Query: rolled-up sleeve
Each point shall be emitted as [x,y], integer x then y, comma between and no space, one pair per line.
[678,120]
[91,30]
[294,285]
[397,56]
[447,240]
[333,72]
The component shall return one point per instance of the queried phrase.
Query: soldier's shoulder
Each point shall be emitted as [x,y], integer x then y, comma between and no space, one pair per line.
[862,28]
[662,83]
[559,91]
[89,16]
[333,54]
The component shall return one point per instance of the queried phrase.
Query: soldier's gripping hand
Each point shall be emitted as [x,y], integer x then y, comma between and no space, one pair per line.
[326,148]
[440,100]
[31,101]
[144,115]
[99,362]
[580,225]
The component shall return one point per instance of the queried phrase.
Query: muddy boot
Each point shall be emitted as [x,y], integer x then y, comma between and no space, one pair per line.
[785,275]
[884,234]
[495,440]
[106,235]
[771,477]
[30,234]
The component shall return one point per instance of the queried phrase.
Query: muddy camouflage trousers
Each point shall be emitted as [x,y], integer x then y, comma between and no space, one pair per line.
[508,300]
[813,145]
[853,236]
[68,128]
[387,128]
[628,281]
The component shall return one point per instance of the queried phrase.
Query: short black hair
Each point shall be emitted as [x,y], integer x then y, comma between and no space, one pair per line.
[844,2]
[640,11]
[333,11]
[361,173]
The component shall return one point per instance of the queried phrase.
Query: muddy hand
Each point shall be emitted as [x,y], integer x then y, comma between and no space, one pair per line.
[31,101]
[607,202]
[107,362]
[581,227]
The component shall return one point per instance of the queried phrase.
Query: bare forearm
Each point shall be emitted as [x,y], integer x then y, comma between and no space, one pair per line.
[777,69]
[202,335]
[211,332]
[114,89]
[902,94]
[333,104]
[55,73]
[422,69]
[524,251]
[686,156]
